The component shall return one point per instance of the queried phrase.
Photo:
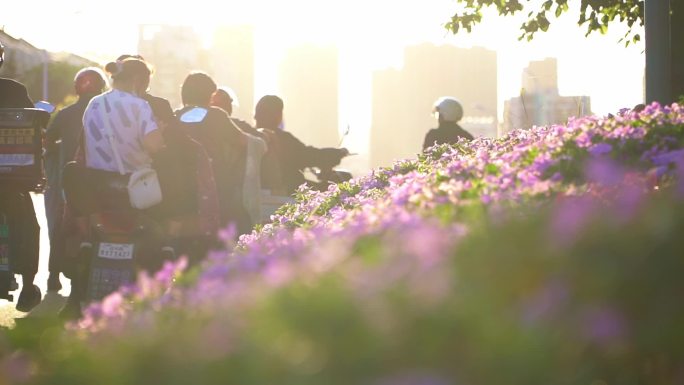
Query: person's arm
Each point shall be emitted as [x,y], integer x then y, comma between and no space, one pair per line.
[233,134]
[309,156]
[54,129]
[152,140]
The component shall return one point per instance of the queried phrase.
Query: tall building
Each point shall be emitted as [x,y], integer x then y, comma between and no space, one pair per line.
[308,82]
[403,99]
[174,51]
[540,103]
[232,61]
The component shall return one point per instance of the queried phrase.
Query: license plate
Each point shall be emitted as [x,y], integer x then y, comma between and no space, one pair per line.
[116,250]
[17,159]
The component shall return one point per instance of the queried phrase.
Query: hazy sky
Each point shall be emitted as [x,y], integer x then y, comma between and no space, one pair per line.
[369,33]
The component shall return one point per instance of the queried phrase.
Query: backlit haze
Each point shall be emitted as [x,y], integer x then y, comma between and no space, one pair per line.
[369,35]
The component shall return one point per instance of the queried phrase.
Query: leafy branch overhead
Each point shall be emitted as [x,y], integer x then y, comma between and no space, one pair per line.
[595,15]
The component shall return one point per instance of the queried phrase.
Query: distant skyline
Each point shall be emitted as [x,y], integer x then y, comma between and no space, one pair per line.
[370,36]
[597,66]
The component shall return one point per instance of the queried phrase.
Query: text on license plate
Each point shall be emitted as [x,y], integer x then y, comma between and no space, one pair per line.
[116,250]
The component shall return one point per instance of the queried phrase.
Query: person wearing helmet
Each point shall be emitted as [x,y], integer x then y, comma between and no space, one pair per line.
[17,206]
[449,112]
[62,141]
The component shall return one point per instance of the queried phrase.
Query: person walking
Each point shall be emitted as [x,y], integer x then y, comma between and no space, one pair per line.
[18,210]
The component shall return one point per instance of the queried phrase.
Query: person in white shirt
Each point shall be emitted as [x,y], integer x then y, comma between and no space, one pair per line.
[127,116]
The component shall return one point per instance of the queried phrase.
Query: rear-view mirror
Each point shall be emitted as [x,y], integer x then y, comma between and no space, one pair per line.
[45,106]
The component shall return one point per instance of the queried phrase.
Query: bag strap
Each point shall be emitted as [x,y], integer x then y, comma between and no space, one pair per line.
[110,136]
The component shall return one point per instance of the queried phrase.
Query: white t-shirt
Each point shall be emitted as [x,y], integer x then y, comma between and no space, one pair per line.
[130,120]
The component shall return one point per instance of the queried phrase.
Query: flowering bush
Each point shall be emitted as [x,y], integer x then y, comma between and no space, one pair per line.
[552,255]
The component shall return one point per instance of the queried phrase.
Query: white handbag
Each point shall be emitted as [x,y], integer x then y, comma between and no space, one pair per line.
[144,190]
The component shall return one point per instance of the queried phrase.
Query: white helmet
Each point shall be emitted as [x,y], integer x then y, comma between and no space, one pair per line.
[449,108]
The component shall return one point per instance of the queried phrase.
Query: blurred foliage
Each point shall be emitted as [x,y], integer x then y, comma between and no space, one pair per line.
[594,15]
[60,82]
[570,274]
[525,309]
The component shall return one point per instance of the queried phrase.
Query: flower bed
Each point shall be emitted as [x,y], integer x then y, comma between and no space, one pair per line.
[552,255]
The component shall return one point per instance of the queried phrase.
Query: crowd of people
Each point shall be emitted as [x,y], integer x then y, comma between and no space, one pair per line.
[211,167]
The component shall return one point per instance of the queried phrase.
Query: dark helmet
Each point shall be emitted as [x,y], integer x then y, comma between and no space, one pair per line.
[89,81]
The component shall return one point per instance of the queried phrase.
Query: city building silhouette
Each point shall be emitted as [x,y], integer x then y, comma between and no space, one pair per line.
[539,102]
[233,65]
[173,51]
[308,83]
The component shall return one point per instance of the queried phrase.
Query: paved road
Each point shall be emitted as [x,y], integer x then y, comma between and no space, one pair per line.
[52,302]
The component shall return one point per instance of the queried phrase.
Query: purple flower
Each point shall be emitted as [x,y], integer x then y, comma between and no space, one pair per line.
[395,209]
[604,172]
[18,368]
[600,149]
[569,217]
[111,305]
[673,157]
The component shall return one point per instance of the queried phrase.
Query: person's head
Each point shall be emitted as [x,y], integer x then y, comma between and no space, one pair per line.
[197,89]
[2,54]
[449,109]
[224,98]
[268,112]
[131,75]
[127,56]
[89,81]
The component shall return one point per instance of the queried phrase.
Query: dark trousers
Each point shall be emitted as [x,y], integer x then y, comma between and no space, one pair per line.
[54,213]
[24,231]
